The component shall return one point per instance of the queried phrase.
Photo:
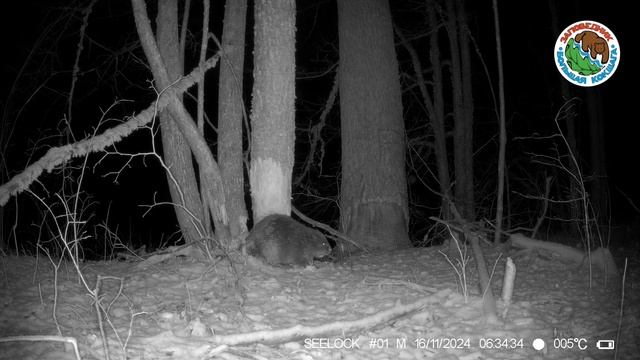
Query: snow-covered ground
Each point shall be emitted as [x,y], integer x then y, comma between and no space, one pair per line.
[402,305]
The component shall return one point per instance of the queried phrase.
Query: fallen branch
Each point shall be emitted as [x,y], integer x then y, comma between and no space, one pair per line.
[600,257]
[297,332]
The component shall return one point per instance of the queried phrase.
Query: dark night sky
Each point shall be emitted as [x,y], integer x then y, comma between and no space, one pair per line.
[531,76]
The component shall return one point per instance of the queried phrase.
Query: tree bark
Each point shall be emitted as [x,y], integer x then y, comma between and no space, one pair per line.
[460,148]
[575,207]
[213,194]
[374,209]
[503,129]
[177,154]
[273,108]
[230,113]
[467,180]
[438,119]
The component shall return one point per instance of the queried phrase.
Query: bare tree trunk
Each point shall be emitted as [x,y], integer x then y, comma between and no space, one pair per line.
[212,192]
[437,122]
[230,113]
[433,104]
[177,154]
[466,182]
[575,207]
[273,107]
[503,129]
[460,150]
[374,209]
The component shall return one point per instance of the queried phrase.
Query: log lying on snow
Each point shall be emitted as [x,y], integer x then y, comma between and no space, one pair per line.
[600,258]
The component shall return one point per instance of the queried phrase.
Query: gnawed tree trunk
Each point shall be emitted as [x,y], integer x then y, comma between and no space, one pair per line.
[177,154]
[230,114]
[272,110]
[373,204]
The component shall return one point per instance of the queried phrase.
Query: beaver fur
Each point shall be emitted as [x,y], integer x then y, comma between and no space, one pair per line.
[280,240]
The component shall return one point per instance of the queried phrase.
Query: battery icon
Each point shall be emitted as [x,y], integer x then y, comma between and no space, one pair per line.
[605,344]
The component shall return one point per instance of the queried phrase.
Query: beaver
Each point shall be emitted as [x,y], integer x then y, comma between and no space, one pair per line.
[281,240]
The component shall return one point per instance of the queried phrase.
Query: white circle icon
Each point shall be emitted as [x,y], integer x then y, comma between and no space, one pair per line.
[538,344]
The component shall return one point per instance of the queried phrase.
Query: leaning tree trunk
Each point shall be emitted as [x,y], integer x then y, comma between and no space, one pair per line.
[230,114]
[177,155]
[272,110]
[211,181]
[373,205]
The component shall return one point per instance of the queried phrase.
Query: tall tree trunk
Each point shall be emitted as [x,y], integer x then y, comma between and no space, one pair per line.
[212,192]
[503,128]
[575,207]
[177,154]
[230,113]
[273,107]
[373,205]
[466,183]
[459,134]
[437,122]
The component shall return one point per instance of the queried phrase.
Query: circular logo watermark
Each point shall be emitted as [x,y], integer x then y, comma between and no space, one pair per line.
[587,53]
